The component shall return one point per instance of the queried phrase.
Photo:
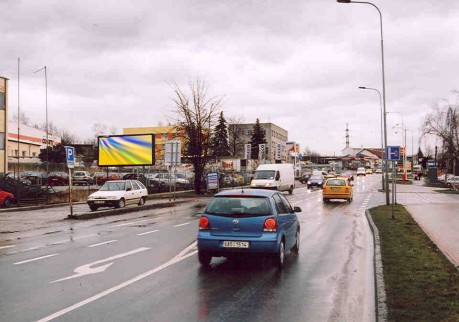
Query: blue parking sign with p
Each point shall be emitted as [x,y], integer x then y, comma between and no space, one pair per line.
[70,153]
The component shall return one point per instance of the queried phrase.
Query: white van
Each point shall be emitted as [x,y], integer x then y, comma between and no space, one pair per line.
[278,176]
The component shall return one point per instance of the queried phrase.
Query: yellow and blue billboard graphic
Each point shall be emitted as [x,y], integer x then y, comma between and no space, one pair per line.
[126,150]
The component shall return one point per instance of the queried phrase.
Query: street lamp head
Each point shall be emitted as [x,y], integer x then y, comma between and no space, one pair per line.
[343,1]
[362,87]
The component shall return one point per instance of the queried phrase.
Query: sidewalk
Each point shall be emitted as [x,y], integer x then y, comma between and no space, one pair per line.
[436,213]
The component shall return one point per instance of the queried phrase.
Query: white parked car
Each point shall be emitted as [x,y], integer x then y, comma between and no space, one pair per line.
[453,182]
[169,180]
[444,177]
[118,193]
[361,171]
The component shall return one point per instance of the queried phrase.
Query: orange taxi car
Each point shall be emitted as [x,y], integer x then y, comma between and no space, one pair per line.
[337,188]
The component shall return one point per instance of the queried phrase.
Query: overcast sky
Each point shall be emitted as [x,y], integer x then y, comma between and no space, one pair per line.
[297,64]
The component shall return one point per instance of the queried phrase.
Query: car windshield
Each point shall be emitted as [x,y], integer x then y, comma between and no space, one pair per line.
[113,186]
[264,174]
[316,177]
[239,206]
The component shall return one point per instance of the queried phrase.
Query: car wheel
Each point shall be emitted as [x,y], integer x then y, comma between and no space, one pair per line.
[7,203]
[278,259]
[121,203]
[325,200]
[296,247]
[141,201]
[93,208]
[290,191]
[204,258]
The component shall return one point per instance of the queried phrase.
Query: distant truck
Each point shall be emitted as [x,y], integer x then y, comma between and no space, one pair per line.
[278,176]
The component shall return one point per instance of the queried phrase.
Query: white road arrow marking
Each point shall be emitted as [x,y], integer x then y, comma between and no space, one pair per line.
[87,269]
[93,298]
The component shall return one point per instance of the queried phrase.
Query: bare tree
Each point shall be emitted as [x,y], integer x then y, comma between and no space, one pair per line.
[68,138]
[235,135]
[23,118]
[196,116]
[443,122]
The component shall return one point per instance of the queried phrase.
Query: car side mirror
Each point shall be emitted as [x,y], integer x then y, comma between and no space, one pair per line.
[128,189]
[296,209]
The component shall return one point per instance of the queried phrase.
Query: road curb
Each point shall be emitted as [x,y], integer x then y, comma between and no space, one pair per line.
[380,294]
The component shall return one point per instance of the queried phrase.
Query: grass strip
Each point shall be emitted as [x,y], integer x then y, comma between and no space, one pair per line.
[421,284]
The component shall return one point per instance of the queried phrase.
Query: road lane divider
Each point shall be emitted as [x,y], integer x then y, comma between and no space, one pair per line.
[9,246]
[148,232]
[103,243]
[35,259]
[187,223]
[132,222]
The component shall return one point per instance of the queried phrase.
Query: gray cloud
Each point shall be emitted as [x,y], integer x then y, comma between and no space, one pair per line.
[295,63]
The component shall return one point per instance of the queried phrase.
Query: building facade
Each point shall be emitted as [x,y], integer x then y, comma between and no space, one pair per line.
[162,134]
[24,143]
[274,135]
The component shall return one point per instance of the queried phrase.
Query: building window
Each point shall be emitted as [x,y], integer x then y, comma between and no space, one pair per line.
[2,141]
[23,153]
[2,101]
[34,154]
[249,132]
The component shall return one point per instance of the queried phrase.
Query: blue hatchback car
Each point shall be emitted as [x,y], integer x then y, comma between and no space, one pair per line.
[248,221]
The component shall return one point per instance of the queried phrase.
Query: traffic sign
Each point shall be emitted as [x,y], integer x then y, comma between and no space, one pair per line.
[173,155]
[70,154]
[212,180]
[393,153]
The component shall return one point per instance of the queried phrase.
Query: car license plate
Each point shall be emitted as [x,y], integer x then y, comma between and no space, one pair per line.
[334,189]
[235,244]
[99,202]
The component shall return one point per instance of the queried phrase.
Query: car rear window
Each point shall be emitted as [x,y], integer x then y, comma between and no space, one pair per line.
[239,206]
[336,182]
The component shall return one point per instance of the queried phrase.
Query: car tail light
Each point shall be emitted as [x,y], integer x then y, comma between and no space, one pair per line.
[347,190]
[270,225]
[204,223]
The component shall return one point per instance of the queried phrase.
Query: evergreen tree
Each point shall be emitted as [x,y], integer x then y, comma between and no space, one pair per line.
[56,154]
[220,145]
[258,137]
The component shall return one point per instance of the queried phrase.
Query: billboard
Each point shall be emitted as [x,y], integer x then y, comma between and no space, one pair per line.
[126,150]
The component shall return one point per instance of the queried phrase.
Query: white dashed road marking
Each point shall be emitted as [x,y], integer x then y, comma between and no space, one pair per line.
[35,259]
[147,232]
[99,244]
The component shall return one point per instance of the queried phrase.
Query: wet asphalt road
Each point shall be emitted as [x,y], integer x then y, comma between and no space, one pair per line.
[143,267]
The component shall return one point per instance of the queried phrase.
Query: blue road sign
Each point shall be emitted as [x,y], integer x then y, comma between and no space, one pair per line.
[212,180]
[393,153]
[70,153]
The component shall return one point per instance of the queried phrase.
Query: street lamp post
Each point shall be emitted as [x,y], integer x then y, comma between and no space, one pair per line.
[46,125]
[412,148]
[384,90]
[382,134]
